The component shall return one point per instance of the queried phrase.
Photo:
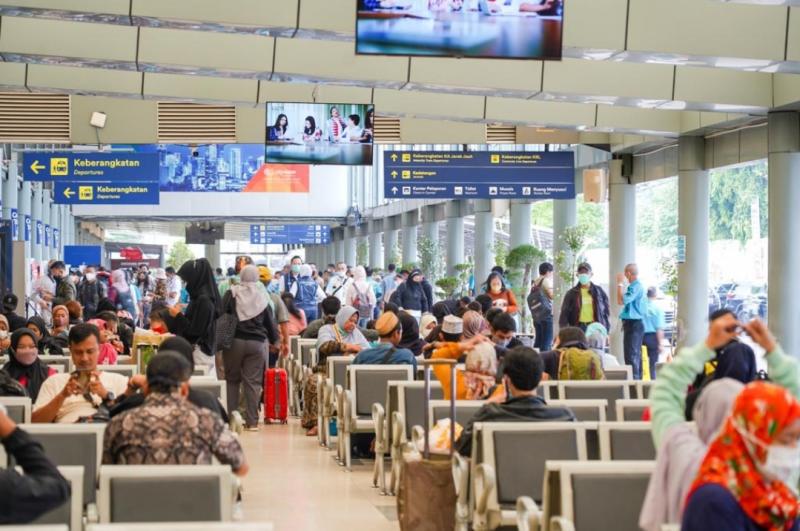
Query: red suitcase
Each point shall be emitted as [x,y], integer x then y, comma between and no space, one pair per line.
[276,396]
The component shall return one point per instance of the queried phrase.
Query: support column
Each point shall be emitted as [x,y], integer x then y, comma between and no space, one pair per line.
[10,192]
[410,224]
[520,221]
[621,242]
[24,205]
[338,246]
[47,242]
[390,234]
[375,246]
[455,236]
[484,241]
[350,246]
[693,212]
[784,227]
[36,215]
[212,254]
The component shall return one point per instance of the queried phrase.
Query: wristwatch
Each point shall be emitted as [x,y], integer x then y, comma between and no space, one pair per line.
[110,397]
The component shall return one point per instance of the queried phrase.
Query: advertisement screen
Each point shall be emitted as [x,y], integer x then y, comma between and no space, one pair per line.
[319,133]
[508,29]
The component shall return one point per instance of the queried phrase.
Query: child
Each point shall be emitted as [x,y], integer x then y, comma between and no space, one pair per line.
[108,354]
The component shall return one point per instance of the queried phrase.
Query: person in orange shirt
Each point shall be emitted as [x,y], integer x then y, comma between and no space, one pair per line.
[501,296]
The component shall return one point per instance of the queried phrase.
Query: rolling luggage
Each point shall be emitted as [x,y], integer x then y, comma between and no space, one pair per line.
[276,396]
[426,498]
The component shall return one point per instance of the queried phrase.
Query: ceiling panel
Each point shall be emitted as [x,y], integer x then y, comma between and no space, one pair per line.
[315,60]
[111,11]
[291,92]
[340,94]
[331,18]
[12,74]
[595,24]
[233,54]
[93,80]
[428,104]
[793,37]
[597,78]
[200,88]
[497,77]
[704,28]
[531,112]
[750,91]
[268,17]
[787,89]
[626,118]
[422,131]
[46,40]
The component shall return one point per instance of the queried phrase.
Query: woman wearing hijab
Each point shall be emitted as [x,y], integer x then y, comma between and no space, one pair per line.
[245,359]
[60,320]
[410,295]
[480,374]
[120,294]
[39,328]
[410,339]
[361,296]
[24,364]
[681,448]
[748,479]
[426,325]
[474,324]
[199,324]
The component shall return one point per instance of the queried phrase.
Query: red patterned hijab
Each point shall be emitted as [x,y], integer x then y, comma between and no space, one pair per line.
[761,411]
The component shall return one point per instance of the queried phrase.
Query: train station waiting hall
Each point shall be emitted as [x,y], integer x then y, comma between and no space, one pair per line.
[399,265]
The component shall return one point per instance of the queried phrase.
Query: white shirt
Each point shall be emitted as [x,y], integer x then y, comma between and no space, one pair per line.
[339,292]
[76,406]
[173,286]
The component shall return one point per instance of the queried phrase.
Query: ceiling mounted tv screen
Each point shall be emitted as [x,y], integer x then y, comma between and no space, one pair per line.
[507,29]
[320,133]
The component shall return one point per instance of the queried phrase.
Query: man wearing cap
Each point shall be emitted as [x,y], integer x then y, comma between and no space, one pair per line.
[585,303]
[15,321]
[386,352]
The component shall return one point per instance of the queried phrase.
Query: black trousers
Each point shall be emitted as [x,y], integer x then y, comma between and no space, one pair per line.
[633,331]
[653,349]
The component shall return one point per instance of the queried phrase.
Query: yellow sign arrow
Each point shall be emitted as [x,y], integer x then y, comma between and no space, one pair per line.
[394,175]
[394,157]
[68,192]
[35,167]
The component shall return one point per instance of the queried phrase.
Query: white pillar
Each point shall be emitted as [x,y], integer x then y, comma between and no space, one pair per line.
[390,243]
[784,227]
[520,223]
[484,242]
[410,224]
[693,195]
[375,246]
[455,236]
[36,216]
[350,244]
[621,242]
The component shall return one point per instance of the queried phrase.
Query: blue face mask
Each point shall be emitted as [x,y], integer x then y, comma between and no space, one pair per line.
[584,279]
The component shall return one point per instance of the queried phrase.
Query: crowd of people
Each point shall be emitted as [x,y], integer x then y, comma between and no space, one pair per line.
[739,469]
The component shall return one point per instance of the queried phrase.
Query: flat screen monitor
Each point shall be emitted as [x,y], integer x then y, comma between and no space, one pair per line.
[507,29]
[319,133]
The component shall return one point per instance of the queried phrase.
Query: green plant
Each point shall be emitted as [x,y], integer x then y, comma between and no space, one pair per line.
[463,272]
[430,258]
[362,249]
[179,254]
[448,286]
[500,250]
[668,268]
[521,261]
[410,266]
[566,261]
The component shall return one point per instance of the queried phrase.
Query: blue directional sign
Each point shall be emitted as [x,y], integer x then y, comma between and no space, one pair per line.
[76,255]
[55,238]
[90,167]
[479,174]
[290,234]
[46,235]
[14,224]
[39,232]
[27,231]
[116,193]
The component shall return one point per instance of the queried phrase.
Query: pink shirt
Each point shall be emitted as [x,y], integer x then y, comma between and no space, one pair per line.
[108,354]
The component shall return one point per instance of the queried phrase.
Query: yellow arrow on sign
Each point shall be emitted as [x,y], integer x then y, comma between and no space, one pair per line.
[394,175]
[394,157]
[68,192]
[36,167]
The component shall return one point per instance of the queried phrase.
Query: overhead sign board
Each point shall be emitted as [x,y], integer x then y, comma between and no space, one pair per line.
[479,174]
[116,193]
[90,167]
[290,234]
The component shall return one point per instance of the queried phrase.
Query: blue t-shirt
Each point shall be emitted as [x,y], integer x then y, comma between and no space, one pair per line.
[653,320]
[634,301]
[374,356]
[712,506]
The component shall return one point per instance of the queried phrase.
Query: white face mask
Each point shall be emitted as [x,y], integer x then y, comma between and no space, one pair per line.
[26,357]
[90,277]
[782,463]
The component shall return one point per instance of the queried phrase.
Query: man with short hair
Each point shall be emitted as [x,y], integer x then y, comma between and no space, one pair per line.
[90,292]
[167,429]
[173,286]
[386,352]
[633,302]
[585,303]
[540,302]
[504,330]
[339,283]
[389,282]
[654,324]
[65,289]
[68,397]
[522,372]
[289,282]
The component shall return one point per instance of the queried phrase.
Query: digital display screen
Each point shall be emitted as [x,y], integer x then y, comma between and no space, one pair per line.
[319,133]
[507,29]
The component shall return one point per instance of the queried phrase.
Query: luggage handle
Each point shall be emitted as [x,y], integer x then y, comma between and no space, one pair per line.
[428,364]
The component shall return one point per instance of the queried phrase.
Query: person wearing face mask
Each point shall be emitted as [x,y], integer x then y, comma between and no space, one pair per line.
[339,283]
[501,296]
[585,303]
[289,281]
[65,289]
[522,372]
[410,295]
[5,335]
[504,330]
[682,447]
[90,292]
[749,476]
[24,364]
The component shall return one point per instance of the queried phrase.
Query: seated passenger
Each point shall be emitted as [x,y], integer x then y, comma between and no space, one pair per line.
[426,325]
[386,352]
[330,307]
[596,340]
[522,372]
[75,312]
[681,447]
[60,320]
[108,354]
[24,364]
[167,429]
[15,321]
[410,339]
[37,325]
[748,478]
[572,359]
[504,330]
[67,397]
[474,324]
[39,489]
[5,335]
[502,297]
[343,337]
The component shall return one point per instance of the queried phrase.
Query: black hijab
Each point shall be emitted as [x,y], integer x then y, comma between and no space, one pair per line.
[199,278]
[35,373]
[39,323]
[410,338]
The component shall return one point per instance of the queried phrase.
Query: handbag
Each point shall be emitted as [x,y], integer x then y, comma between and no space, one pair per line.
[226,327]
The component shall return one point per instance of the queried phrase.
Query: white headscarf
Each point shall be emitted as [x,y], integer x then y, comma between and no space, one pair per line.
[119,281]
[360,279]
[305,270]
[251,299]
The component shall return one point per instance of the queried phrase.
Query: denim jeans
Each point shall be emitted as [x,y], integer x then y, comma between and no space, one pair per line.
[633,330]
[544,335]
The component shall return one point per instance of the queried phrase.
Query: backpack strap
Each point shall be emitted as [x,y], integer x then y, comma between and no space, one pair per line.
[388,356]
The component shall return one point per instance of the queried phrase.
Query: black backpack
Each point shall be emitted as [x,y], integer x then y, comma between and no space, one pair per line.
[540,304]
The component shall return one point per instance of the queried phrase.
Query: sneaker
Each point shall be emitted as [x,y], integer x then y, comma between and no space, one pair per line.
[237,422]
[238,512]
[251,428]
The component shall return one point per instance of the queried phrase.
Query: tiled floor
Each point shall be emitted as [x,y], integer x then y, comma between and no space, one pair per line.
[298,485]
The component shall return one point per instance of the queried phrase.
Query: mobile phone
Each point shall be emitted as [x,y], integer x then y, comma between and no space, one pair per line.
[83,376]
